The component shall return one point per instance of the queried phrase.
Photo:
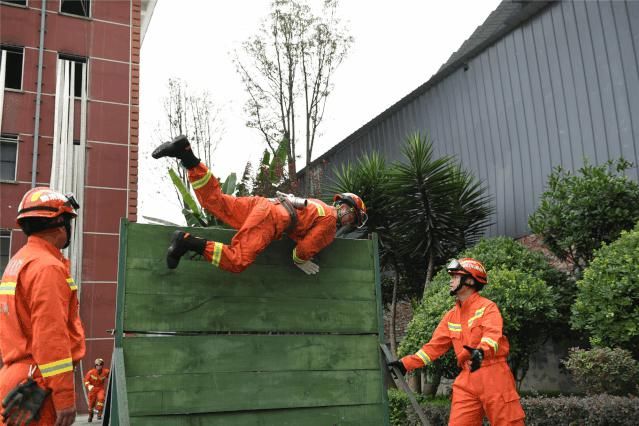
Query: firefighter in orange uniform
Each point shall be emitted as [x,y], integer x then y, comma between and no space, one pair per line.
[41,336]
[474,329]
[95,381]
[311,223]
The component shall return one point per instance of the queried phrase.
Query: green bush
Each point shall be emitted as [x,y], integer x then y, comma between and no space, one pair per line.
[506,253]
[603,370]
[581,211]
[607,304]
[526,303]
[596,410]
[398,404]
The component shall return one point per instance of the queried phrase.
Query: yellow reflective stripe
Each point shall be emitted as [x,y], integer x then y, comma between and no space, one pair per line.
[491,343]
[72,284]
[202,181]
[423,356]
[454,327]
[295,258]
[217,253]
[8,288]
[478,314]
[56,367]
[94,377]
[320,208]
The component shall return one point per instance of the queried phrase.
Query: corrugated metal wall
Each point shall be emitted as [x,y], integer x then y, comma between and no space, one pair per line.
[560,88]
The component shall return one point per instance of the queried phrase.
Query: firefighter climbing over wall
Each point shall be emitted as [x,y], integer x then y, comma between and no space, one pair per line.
[473,327]
[95,381]
[311,223]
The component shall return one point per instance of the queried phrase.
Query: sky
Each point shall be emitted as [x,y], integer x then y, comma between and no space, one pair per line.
[398,45]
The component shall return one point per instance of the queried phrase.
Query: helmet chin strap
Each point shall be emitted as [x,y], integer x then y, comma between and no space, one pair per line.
[459,286]
[67,227]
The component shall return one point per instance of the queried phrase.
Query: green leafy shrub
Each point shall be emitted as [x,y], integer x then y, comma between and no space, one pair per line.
[506,253]
[398,404]
[603,370]
[596,410]
[526,303]
[581,211]
[607,304]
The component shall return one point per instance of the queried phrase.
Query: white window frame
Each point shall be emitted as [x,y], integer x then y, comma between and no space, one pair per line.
[78,60]
[9,48]
[7,138]
[77,16]
[8,3]
[3,235]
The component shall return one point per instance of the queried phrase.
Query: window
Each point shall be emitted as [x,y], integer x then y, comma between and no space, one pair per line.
[5,248]
[77,64]
[8,156]
[13,58]
[18,2]
[76,7]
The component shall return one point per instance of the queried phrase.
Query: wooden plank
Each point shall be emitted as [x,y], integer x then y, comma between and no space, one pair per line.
[122,402]
[119,304]
[198,278]
[201,393]
[224,353]
[151,241]
[158,312]
[380,330]
[341,415]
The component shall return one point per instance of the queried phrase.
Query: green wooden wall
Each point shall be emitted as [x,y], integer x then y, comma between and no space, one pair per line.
[269,346]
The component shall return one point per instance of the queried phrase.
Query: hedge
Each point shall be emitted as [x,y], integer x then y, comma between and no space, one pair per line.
[596,410]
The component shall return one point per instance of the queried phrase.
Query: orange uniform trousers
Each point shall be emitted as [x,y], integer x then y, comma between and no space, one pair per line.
[96,399]
[481,393]
[16,373]
[259,221]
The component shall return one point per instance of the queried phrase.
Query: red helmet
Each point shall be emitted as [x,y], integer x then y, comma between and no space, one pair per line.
[47,203]
[468,266]
[355,202]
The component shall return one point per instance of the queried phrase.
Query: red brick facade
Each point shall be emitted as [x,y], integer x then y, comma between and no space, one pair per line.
[110,41]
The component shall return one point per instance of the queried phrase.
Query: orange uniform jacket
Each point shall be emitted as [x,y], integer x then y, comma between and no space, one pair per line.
[39,321]
[477,323]
[490,390]
[260,221]
[98,380]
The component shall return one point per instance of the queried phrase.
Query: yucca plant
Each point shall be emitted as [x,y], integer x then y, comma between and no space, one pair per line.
[443,208]
[368,178]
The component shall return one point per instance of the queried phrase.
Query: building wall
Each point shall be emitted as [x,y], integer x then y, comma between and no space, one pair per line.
[562,87]
[110,39]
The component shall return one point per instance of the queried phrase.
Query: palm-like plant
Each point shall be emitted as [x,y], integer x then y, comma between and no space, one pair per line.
[369,179]
[444,208]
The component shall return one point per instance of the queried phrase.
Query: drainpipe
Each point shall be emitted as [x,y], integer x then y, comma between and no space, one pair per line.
[36,131]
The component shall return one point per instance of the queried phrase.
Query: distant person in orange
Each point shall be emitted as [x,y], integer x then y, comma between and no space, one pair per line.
[311,223]
[95,381]
[474,329]
[41,336]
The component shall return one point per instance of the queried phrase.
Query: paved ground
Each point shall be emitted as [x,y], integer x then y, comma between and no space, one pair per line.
[81,419]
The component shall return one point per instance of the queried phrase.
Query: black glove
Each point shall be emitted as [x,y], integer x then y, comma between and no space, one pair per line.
[476,357]
[22,404]
[397,363]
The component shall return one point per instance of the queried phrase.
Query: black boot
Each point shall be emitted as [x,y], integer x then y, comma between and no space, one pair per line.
[90,419]
[181,242]
[180,148]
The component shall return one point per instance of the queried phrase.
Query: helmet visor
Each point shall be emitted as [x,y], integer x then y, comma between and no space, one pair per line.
[454,267]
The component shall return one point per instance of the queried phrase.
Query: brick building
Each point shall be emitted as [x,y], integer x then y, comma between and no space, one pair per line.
[69,118]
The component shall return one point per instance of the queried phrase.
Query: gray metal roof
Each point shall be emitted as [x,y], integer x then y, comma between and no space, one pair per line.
[508,16]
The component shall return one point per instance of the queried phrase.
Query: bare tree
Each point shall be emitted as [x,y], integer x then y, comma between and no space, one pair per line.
[288,64]
[194,115]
